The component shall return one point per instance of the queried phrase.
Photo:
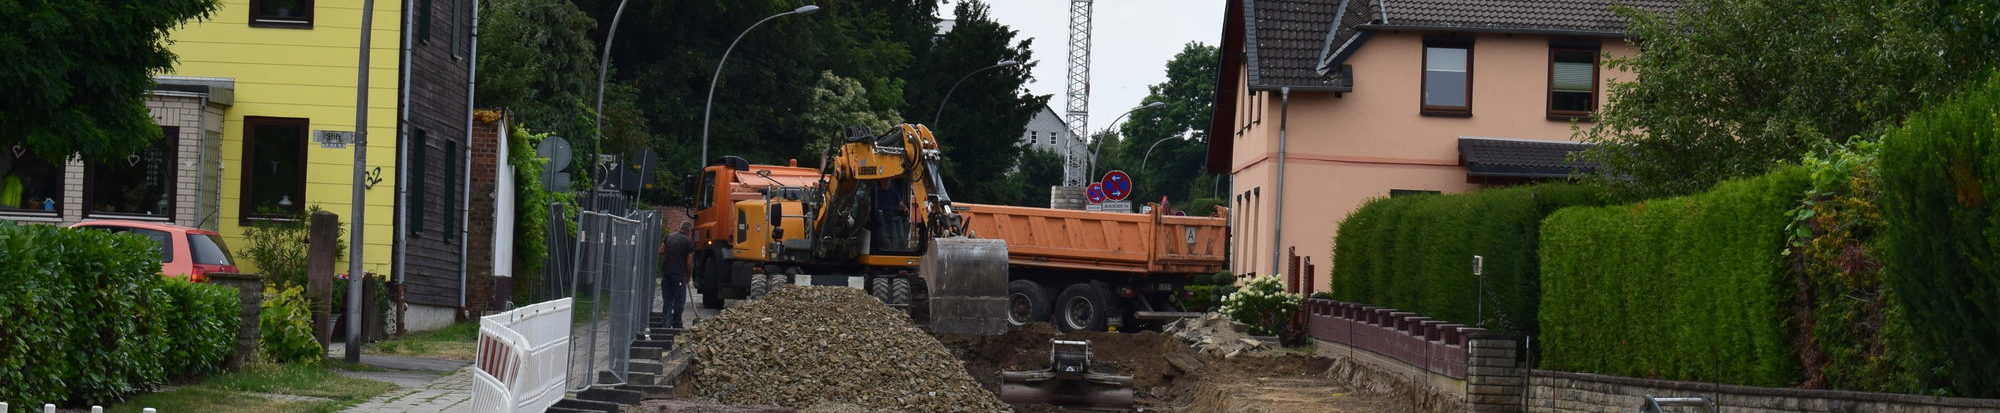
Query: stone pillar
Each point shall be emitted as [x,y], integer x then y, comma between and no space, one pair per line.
[250,295]
[1494,374]
[1066,197]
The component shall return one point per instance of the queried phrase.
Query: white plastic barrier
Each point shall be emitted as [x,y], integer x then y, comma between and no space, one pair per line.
[523,359]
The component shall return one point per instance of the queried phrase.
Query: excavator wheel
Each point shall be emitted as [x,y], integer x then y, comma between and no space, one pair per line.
[759,284]
[966,286]
[899,291]
[879,288]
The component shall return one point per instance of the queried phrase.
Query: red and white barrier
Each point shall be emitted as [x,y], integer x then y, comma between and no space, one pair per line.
[523,359]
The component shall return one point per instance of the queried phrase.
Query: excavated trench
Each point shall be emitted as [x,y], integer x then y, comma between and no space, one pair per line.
[836,350]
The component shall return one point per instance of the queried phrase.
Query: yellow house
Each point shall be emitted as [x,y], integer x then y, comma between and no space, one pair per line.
[241,109]
[293,72]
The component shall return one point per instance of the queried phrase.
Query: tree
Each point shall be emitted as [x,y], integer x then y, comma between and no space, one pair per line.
[1037,170]
[1732,87]
[836,103]
[1174,170]
[668,51]
[78,73]
[538,59]
[980,131]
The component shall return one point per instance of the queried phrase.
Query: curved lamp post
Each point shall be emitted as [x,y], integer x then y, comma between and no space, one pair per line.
[954,88]
[1100,142]
[709,108]
[1149,151]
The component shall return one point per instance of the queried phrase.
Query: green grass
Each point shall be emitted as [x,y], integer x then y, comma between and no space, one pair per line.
[456,342]
[233,391]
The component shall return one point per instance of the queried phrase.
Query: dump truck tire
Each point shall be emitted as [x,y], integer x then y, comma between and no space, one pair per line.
[1081,307]
[1027,302]
[712,277]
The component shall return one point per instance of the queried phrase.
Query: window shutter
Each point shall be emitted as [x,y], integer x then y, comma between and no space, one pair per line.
[418,180]
[1573,77]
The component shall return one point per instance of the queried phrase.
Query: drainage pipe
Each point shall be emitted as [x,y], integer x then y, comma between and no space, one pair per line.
[1278,222]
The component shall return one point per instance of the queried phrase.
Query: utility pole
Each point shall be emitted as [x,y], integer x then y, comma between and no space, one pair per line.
[354,252]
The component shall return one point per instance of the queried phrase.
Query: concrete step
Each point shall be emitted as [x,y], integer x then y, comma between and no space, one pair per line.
[650,391]
[662,344]
[623,397]
[641,378]
[646,353]
[553,409]
[588,405]
[647,366]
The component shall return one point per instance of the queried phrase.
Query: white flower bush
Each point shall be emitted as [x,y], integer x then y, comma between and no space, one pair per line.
[1262,304]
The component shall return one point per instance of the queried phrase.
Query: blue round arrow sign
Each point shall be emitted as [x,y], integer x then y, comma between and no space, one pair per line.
[1117,185]
[1095,193]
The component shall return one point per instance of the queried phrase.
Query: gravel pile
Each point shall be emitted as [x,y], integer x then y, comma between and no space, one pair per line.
[1215,334]
[830,347]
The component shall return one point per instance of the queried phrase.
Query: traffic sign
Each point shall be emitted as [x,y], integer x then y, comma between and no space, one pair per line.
[1117,185]
[1095,193]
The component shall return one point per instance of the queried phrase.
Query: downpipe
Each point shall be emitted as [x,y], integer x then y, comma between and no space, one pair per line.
[1278,222]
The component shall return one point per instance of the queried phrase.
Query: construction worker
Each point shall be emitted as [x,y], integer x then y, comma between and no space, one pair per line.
[674,271]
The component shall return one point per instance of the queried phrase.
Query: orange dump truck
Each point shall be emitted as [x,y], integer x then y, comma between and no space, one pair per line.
[1079,270]
[1086,270]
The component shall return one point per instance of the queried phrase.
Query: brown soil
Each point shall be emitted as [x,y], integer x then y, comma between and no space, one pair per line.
[1168,376]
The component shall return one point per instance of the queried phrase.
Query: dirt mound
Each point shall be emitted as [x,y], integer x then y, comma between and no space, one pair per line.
[1215,334]
[803,347]
[1169,375]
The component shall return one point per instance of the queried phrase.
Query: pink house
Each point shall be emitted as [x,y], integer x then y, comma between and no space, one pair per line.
[1324,104]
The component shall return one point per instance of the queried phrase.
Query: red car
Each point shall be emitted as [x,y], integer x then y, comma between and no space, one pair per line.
[184,252]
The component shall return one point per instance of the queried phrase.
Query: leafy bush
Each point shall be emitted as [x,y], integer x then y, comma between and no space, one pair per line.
[202,322]
[278,248]
[531,225]
[84,315]
[1941,206]
[286,323]
[1415,253]
[1852,334]
[1205,291]
[1262,304]
[1687,288]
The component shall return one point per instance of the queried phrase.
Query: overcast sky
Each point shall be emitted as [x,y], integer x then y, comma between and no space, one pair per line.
[1132,40]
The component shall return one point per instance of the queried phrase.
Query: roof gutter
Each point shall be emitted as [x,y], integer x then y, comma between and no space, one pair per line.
[1508,30]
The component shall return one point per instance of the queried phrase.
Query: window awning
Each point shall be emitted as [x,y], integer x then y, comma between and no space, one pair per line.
[1521,158]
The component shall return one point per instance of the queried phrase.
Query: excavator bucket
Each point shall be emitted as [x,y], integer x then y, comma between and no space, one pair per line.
[1068,382]
[966,279]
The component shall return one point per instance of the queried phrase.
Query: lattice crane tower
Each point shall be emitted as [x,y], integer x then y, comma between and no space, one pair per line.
[1079,80]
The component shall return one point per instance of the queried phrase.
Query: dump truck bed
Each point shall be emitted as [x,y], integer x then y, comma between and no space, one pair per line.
[1151,243]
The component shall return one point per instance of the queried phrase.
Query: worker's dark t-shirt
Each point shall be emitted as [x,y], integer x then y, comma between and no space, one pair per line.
[674,263]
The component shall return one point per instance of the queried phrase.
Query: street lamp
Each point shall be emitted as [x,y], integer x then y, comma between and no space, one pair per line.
[1149,151]
[954,88]
[1114,123]
[710,106]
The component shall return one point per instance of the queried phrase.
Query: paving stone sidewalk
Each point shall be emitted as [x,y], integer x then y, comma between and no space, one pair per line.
[425,385]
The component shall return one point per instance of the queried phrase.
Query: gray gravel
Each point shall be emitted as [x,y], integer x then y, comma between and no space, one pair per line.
[833,348]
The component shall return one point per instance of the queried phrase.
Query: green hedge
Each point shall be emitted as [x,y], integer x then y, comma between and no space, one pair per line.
[1941,206]
[202,326]
[88,317]
[1687,288]
[1415,253]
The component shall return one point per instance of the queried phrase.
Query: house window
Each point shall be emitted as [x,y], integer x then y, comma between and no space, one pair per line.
[141,184]
[1447,89]
[424,21]
[296,14]
[29,186]
[419,178]
[274,168]
[1572,83]
[1034,137]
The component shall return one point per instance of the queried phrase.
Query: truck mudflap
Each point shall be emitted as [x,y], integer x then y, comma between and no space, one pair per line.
[965,286]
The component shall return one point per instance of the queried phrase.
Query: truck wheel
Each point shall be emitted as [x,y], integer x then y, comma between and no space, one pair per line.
[759,284]
[1027,302]
[899,290]
[879,288]
[1081,307]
